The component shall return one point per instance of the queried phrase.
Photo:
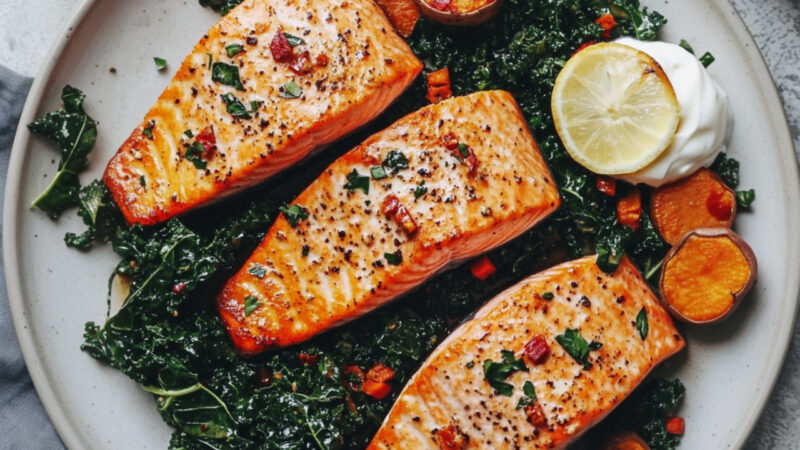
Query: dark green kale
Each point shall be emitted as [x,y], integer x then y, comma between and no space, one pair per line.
[75,134]
[645,24]
[746,198]
[646,411]
[728,169]
[99,212]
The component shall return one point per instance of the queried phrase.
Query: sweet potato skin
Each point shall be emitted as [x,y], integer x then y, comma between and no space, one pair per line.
[691,203]
[722,233]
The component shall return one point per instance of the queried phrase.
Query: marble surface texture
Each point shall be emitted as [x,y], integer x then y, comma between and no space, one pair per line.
[29,27]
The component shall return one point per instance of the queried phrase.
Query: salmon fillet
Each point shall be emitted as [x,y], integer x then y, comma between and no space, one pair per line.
[347,66]
[352,254]
[449,398]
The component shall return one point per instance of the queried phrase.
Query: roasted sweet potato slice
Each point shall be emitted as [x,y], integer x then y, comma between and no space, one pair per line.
[624,440]
[707,275]
[701,200]
[402,13]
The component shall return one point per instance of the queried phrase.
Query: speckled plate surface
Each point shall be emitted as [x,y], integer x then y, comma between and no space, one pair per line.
[729,369]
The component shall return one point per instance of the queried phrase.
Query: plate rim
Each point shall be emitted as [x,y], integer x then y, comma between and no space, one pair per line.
[57,413]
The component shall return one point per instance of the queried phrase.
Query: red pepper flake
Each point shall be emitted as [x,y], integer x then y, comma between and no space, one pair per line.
[178,288]
[353,372]
[608,23]
[397,211]
[322,60]
[305,358]
[301,64]
[380,373]
[537,349]
[207,139]
[472,162]
[280,47]
[450,141]
[482,268]
[675,425]
[606,185]
[451,438]
[441,5]
[583,46]
[629,209]
[719,204]
[536,415]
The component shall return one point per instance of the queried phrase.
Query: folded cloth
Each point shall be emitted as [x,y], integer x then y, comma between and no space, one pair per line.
[23,421]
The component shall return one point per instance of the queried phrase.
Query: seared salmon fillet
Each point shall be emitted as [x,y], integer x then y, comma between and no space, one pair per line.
[270,82]
[449,402]
[440,185]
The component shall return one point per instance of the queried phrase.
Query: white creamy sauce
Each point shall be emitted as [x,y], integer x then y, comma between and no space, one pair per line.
[706,120]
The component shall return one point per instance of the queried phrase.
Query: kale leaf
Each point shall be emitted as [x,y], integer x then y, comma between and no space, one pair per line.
[728,169]
[75,134]
[99,212]
[647,408]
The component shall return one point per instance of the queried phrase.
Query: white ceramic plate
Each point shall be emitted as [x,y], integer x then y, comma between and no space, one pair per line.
[729,369]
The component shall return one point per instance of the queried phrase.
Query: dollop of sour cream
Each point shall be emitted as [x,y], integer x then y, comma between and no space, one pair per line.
[706,119]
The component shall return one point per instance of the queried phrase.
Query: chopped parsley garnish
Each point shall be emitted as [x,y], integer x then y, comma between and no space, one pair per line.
[161,63]
[148,130]
[470,364]
[234,49]
[189,134]
[707,59]
[234,106]
[420,190]
[462,148]
[577,347]
[357,181]
[142,181]
[254,105]
[194,153]
[685,45]
[394,258]
[378,173]
[548,295]
[496,372]
[293,40]
[305,250]
[258,270]
[530,395]
[226,74]
[641,323]
[745,199]
[251,303]
[209,60]
[395,161]
[291,90]
[294,214]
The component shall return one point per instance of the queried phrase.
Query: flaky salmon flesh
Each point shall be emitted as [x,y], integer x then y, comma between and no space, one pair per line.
[270,82]
[450,404]
[443,184]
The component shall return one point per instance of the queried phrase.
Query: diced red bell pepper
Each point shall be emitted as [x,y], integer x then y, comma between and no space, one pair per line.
[606,185]
[537,349]
[482,268]
[280,48]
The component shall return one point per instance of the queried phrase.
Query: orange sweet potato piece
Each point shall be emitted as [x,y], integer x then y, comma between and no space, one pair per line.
[629,209]
[402,13]
[376,389]
[707,274]
[439,85]
[700,201]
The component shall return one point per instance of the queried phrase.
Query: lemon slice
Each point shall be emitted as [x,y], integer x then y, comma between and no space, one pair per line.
[614,108]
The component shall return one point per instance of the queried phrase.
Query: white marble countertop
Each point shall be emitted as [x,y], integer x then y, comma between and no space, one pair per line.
[29,27]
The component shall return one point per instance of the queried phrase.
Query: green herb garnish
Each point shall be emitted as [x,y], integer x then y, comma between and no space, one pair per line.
[641,323]
[293,40]
[420,190]
[357,181]
[577,347]
[251,303]
[226,74]
[142,181]
[685,45]
[188,133]
[395,161]
[746,198]
[234,49]
[378,173]
[496,372]
[707,59]
[75,134]
[530,395]
[291,90]
[548,295]
[258,270]
[161,63]
[148,130]
[234,106]
[194,154]
[294,214]
[394,258]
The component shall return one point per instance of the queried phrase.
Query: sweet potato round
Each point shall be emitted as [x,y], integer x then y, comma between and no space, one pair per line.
[706,275]
[468,18]
[624,440]
[701,200]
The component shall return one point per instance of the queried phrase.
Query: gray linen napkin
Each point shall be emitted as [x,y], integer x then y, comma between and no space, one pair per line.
[23,421]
